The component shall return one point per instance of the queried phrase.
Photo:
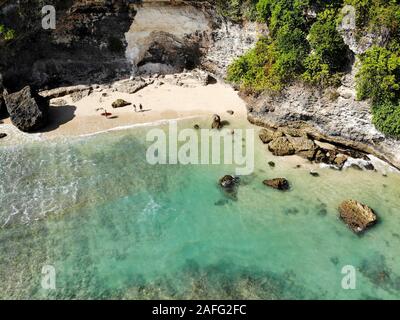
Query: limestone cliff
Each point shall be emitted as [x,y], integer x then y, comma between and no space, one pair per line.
[97,41]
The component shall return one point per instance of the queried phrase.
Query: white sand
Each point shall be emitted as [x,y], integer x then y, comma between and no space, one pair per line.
[168,101]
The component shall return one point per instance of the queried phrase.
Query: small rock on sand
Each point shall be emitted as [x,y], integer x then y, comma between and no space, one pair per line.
[119,103]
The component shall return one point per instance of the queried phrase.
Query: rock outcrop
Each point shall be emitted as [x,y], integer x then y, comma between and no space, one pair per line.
[267,135]
[344,121]
[120,103]
[87,46]
[277,183]
[281,147]
[357,39]
[27,110]
[356,215]
[3,135]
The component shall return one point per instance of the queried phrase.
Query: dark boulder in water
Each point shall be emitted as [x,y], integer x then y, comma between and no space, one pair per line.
[3,135]
[27,109]
[278,183]
[230,185]
[314,173]
[227,182]
[357,216]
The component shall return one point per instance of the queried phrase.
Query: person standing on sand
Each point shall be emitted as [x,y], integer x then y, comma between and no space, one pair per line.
[134,107]
[141,108]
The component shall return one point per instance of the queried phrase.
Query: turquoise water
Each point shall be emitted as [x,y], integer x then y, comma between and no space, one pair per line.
[114,226]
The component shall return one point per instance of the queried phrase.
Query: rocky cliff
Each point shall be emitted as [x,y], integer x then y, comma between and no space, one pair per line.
[332,115]
[97,41]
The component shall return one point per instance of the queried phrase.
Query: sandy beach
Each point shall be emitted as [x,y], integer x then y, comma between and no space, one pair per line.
[161,100]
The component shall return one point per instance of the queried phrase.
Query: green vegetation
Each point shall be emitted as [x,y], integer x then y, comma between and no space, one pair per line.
[299,47]
[6,34]
[308,48]
[379,80]
[236,10]
[386,118]
[379,75]
[376,14]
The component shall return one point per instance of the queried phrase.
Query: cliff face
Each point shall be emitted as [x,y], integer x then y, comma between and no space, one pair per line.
[87,44]
[334,115]
[97,41]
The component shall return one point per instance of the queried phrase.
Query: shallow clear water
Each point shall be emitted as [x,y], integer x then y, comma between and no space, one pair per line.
[114,226]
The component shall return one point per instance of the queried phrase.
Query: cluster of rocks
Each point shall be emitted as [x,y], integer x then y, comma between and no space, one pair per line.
[358,217]
[286,141]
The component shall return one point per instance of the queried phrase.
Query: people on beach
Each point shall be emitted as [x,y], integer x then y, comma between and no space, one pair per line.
[134,107]
[141,108]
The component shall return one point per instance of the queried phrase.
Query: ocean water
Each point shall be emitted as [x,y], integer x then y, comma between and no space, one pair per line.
[115,227]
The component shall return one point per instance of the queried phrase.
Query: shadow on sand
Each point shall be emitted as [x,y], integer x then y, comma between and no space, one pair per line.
[59,115]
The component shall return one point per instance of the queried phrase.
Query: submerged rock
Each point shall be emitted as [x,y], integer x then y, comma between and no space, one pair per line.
[356,215]
[120,103]
[314,173]
[28,110]
[3,135]
[231,112]
[278,183]
[227,182]
[271,164]
[230,185]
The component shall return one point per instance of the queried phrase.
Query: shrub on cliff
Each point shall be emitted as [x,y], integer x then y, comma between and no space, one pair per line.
[379,75]
[379,80]
[236,10]
[329,52]
[386,118]
[376,14]
[299,47]
[250,70]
